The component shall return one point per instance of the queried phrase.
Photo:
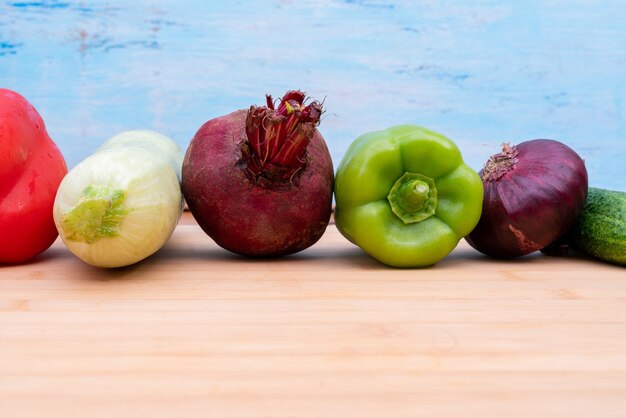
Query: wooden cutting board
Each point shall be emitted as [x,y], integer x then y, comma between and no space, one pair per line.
[197,332]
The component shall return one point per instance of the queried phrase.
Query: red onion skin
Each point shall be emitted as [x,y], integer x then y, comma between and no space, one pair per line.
[531,198]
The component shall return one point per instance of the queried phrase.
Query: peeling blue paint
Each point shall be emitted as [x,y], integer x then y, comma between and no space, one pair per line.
[8,48]
[40,4]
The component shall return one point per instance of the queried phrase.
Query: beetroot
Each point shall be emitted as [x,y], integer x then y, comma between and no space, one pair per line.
[259,182]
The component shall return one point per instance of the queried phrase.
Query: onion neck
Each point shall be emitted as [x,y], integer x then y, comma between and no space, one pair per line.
[413,197]
[277,138]
[500,164]
[98,214]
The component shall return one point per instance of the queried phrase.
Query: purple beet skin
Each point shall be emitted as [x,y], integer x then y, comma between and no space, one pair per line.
[259,182]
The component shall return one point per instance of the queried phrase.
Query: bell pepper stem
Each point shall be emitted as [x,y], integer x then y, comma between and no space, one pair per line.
[413,197]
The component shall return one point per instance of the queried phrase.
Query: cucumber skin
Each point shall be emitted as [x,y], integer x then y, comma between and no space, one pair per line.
[601,228]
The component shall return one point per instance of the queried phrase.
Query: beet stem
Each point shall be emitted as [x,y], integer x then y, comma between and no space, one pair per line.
[277,138]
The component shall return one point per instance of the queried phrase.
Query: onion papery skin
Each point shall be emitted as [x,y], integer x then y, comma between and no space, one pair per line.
[533,193]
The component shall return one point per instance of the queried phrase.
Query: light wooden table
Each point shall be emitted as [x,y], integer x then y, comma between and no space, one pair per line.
[197,332]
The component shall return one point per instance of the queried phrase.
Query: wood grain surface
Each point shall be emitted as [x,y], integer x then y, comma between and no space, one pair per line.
[197,332]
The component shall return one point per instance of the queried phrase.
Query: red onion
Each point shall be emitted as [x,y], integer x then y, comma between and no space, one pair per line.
[533,193]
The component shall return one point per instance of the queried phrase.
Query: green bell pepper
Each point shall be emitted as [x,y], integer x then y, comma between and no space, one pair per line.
[405,196]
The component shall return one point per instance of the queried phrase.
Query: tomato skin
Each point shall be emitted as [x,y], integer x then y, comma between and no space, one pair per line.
[31,169]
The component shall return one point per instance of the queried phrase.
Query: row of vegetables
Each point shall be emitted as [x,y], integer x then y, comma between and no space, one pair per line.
[260,183]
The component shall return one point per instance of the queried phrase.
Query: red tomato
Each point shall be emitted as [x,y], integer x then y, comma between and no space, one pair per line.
[31,169]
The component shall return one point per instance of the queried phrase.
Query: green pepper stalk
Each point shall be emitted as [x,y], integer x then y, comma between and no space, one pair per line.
[405,196]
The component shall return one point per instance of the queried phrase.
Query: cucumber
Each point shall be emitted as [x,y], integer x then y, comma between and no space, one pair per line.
[601,228]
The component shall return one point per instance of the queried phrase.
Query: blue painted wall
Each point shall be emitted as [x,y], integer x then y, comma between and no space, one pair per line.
[480,71]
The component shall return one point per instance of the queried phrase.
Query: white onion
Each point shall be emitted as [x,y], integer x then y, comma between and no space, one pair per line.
[121,204]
